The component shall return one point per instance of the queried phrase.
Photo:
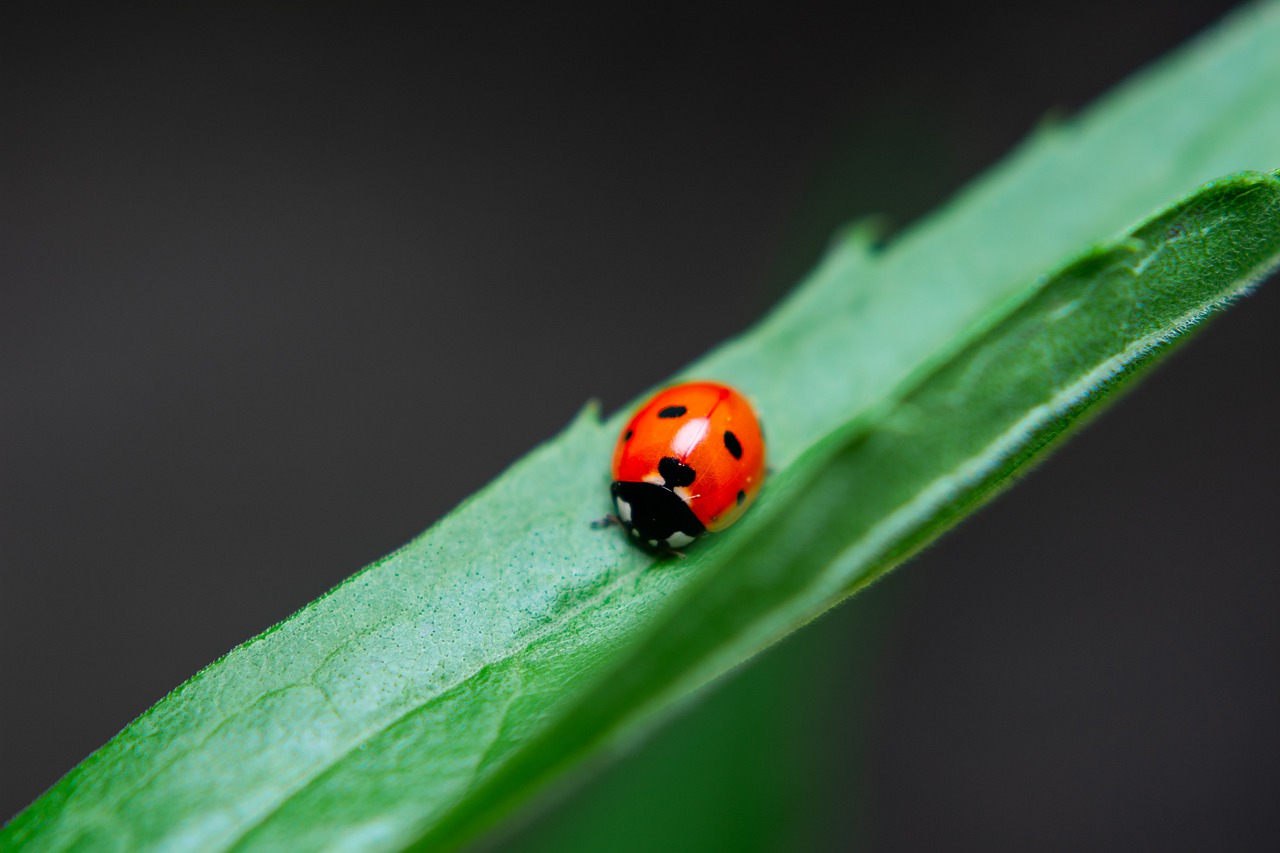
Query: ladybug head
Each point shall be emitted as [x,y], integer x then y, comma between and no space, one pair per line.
[654,515]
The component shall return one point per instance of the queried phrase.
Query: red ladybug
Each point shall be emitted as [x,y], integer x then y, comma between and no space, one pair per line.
[691,460]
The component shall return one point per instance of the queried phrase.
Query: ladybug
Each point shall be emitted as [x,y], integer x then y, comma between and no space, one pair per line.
[690,461]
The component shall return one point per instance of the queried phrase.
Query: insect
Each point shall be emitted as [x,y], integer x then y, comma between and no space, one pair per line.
[690,461]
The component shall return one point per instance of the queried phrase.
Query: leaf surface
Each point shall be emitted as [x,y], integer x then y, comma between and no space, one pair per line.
[431,693]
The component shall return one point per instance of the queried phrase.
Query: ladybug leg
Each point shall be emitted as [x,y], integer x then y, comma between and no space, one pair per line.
[608,521]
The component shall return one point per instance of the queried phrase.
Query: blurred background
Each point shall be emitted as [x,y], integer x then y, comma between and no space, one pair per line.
[280,285]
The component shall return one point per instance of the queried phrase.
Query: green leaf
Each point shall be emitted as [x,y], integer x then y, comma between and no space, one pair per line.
[430,694]
[748,768]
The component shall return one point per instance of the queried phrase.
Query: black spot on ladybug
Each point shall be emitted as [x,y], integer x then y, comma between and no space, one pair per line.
[672,412]
[627,437]
[675,473]
[731,442]
[742,496]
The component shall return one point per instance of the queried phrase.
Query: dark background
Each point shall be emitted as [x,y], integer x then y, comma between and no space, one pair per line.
[280,287]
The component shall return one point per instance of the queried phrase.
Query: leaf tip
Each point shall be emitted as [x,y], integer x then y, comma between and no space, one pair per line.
[864,235]
[589,413]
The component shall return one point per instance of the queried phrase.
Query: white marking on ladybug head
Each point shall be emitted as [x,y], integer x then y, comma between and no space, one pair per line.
[653,543]
[635,532]
[678,539]
[689,436]
[655,478]
[624,510]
